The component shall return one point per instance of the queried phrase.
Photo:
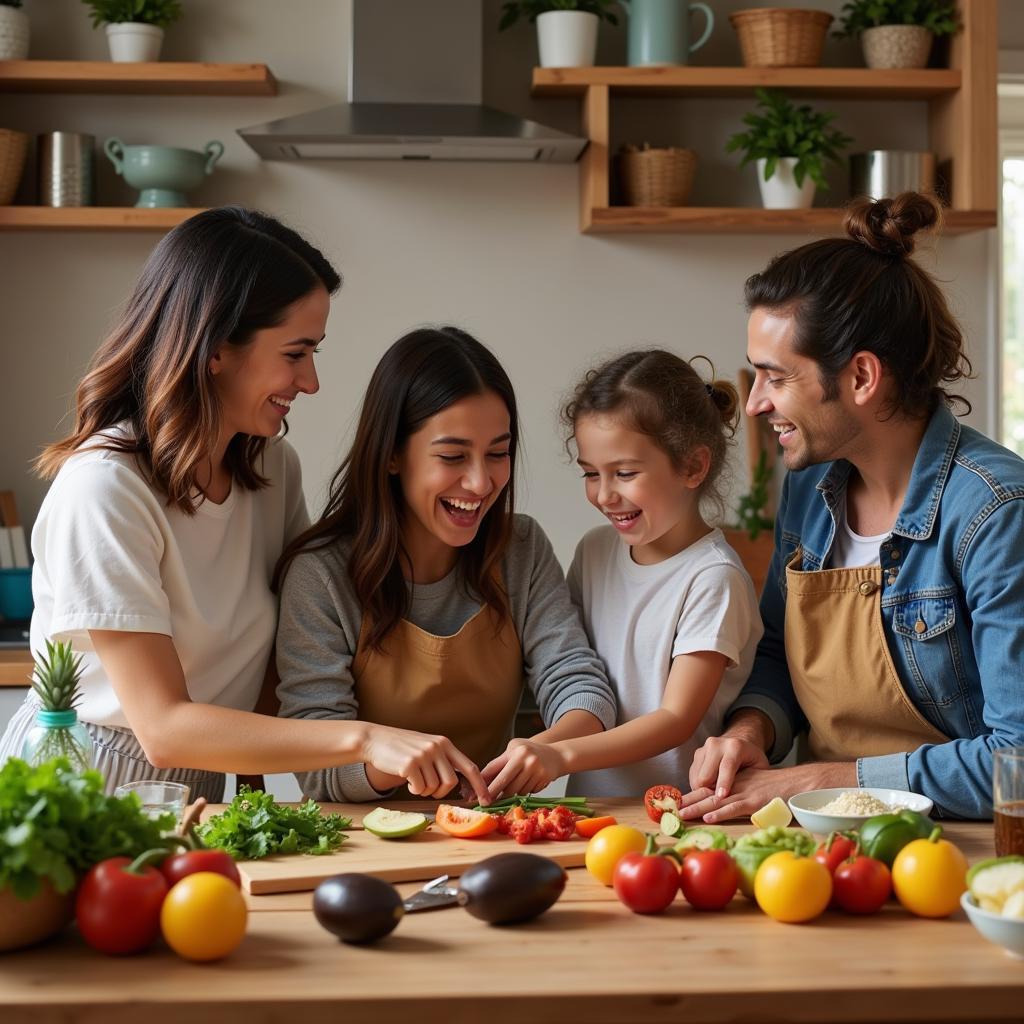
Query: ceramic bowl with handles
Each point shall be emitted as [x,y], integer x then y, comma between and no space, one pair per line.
[163,174]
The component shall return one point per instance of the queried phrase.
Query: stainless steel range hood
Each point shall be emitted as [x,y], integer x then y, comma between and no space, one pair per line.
[415,86]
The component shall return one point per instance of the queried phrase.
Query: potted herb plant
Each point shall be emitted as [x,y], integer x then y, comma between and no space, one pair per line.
[790,145]
[135,28]
[752,535]
[566,29]
[898,33]
[13,31]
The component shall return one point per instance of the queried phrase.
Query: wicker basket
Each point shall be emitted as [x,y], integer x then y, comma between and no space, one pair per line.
[781,37]
[13,149]
[656,177]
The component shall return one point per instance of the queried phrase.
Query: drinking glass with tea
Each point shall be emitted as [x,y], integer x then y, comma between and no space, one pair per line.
[1008,800]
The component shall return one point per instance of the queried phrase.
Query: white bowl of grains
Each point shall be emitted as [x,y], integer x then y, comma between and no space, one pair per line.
[833,810]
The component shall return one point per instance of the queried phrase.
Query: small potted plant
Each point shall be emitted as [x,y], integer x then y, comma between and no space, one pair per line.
[13,31]
[898,33]
[790,145]
[566,29]
[752,535]
[135,28]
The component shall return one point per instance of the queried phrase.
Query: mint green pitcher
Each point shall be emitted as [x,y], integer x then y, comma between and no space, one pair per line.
[659,31]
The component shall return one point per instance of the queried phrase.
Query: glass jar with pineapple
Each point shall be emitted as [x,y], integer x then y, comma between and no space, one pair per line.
[57,732]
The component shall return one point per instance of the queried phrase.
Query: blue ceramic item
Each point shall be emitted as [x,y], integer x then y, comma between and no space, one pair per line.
[163,173]
[659,31]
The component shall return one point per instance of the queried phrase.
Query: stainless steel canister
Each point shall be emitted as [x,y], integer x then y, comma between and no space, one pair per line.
[65,169]
[882,173]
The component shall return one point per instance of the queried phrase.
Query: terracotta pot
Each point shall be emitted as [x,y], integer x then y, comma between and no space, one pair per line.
[896,46]
[26,922]
[756,555]
[13,150]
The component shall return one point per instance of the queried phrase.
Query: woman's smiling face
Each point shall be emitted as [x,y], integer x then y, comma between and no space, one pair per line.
[452,470]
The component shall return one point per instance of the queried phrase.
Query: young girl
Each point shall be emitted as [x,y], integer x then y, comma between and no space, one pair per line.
[666,602]
[419,600]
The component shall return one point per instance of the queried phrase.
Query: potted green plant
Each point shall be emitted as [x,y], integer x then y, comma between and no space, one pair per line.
[13,31]
[790,145]
[566,29]
[898,33]
[752,535]
[135,28]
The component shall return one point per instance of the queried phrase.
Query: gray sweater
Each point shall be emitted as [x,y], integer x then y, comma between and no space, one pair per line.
[319,628]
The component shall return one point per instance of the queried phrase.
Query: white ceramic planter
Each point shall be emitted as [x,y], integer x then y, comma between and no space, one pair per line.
[13,33]
[780,191]
[131,41]
[896,46]
[567,39]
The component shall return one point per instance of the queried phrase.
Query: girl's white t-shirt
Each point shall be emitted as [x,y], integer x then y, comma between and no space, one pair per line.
[640,617]
[111,554]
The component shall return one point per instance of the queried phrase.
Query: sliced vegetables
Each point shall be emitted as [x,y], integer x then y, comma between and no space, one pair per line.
[390,824]
[997,885]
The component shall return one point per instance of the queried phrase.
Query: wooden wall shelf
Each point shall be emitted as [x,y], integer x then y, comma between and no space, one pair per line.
[962,128]
[157,78]
[92,218]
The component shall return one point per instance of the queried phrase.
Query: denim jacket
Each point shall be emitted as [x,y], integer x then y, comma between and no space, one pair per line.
[954,561]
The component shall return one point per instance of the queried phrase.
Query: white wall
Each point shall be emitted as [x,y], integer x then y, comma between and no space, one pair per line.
[493,248]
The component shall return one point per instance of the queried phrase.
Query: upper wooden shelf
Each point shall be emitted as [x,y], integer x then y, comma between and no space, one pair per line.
[156,78]
[92,218]
[854,83]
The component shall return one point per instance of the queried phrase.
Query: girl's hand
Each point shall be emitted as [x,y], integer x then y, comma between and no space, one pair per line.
[427,763]
[524,767]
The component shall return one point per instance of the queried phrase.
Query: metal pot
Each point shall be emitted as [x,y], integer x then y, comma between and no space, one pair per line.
[882,173]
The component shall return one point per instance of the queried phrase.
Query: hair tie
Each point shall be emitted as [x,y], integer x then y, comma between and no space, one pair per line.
[710,389]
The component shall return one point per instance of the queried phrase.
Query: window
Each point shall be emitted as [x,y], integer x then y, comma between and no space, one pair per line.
[1013,296]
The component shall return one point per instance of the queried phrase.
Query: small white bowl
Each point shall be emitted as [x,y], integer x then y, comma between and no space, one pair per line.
[805,807]
[1007,932]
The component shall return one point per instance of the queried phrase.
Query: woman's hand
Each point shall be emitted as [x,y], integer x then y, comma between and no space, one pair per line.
[428,764]
[524,767]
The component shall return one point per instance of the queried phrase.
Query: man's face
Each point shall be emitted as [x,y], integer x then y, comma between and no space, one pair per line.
[787,390]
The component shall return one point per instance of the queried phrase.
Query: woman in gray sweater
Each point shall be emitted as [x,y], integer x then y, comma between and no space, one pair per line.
[419,599]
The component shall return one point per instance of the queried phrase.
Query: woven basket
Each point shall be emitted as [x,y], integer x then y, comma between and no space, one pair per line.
[656,177]
[13,149]
[781,37]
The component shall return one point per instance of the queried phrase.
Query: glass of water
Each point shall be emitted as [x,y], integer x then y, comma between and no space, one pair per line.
[158,797]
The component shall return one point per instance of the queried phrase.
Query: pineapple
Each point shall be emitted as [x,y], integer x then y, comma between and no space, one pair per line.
[57,731]
[55,677]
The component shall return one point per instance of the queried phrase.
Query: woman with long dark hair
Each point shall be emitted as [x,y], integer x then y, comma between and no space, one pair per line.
[419,599]
[172,500]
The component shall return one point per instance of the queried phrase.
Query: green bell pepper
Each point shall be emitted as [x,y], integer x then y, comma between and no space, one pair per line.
[884,835]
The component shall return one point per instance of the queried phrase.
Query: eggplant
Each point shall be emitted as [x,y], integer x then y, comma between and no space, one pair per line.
[357,908]
[511,887]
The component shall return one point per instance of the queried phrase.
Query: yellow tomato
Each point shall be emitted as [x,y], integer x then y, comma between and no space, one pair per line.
[203,916]
[929,876]
[608,846]
[791,888]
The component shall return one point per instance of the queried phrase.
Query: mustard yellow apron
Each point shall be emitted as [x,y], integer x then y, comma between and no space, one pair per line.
[842,672]
[466,686]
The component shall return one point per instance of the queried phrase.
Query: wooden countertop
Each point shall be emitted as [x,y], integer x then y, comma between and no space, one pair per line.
[588,959]
[15,666]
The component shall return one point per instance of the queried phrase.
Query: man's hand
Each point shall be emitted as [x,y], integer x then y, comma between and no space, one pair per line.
[741,746]
[524,767]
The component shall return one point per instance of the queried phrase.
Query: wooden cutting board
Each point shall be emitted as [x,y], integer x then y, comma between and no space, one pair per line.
[418,858]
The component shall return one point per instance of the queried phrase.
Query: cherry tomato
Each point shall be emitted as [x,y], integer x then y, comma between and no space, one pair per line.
[709,879]
[929,876]
[588,827]
[646,882]
[610,845]
[834,850]
[463,823]
[118,904]
[178,865]
[203,917]
[791,888]
[659,799]
[861,885]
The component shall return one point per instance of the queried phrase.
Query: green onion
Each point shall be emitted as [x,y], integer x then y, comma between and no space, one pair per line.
[576,804]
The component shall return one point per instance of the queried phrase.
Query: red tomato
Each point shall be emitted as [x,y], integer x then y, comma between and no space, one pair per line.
[463,823]
[646,883]
[178,865]
[837,848]
[708,878]
[861,885]
[118,909]
[659,799]
[588,827]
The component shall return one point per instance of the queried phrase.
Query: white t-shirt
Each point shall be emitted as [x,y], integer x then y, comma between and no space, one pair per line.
[853,550]
[111,554]
[640,617]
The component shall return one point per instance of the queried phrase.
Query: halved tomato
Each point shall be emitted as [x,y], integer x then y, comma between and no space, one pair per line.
[464,823]
[659,799]
[588,827]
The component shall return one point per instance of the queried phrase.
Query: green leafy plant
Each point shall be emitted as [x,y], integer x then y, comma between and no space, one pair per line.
[786,130]
[750,509]
[56,823]
[255,825]
[938,16]
[513,10]
[159,13]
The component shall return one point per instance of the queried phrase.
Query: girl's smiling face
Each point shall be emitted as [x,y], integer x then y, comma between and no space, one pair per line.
[452,470]
[651,502]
